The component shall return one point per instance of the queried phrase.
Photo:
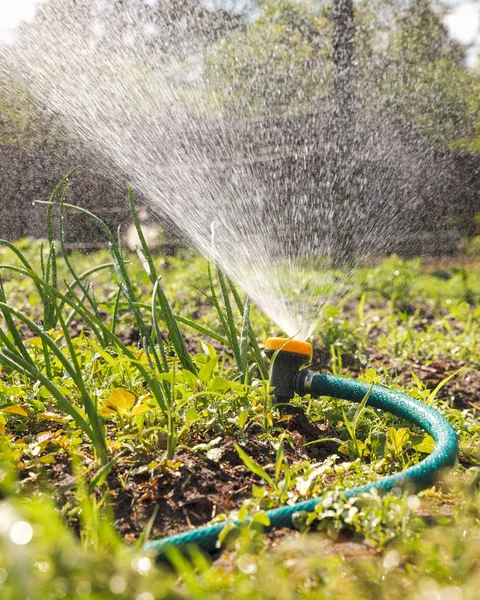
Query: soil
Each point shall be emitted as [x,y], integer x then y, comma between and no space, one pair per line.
[191,490]
[200,488]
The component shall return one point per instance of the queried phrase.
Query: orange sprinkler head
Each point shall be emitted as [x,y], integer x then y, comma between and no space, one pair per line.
[292,356]
[294,346]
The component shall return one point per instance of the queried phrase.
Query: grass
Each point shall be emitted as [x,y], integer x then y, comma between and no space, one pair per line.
[133,404]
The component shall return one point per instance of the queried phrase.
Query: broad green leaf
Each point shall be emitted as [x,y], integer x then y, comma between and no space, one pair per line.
[353,448]
[423,443]
[261,518]
[220,385]
[51,416]
[242,418]
[243,512]
[141,408]
[258,491]
[397,438]
[208,349]
[206,372]
[191,414]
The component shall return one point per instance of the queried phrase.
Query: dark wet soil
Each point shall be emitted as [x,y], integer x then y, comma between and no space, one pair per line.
[199,488]
[190,490]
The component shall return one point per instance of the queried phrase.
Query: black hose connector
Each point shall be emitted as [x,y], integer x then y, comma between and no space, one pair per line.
[292,355]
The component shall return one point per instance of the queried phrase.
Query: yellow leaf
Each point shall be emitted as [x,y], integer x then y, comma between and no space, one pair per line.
[121,399]
[15,410]
[50,416]
[106,411]
[140,409]
[142,357]
[35,342]
[145,398]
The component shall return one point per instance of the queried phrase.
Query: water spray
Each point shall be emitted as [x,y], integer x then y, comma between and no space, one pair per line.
[289,377]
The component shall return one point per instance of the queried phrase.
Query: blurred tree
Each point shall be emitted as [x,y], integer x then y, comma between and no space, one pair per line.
[376,88]
[277,66]
[22,123]
[137,36]
[302,57]
[425,78]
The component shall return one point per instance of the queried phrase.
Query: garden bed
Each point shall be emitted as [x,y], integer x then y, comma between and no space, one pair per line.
[219,448]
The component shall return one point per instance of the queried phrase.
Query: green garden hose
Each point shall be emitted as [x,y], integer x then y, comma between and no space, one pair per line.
[417,477]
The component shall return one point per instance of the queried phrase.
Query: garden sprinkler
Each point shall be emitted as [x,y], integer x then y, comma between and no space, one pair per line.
[289,377]
[289,356]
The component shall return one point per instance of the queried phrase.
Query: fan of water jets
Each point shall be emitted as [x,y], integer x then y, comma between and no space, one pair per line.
[259,194]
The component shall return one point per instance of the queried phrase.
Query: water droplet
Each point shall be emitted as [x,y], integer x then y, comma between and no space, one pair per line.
[21,533]
[84,589]
[145,596]
[414,503]
[117,584]
[391,560]
[142,565]
[246,564]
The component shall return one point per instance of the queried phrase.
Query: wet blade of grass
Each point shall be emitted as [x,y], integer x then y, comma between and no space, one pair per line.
[229,319]
[12,328]
[115,311]
[243,344]
[5,341]
[175,335]
[52,202]
[72,368]
[113,245]
[89,404]
[92,321]
[17,252]
[186,321]
[351,425]
[153,384]
[122,274]
[79,302]
[50,277]
[86,274]
[258,358]
[213,299]
[77,279]
[156,328]
[148,260]
[72,314]
[205,330]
